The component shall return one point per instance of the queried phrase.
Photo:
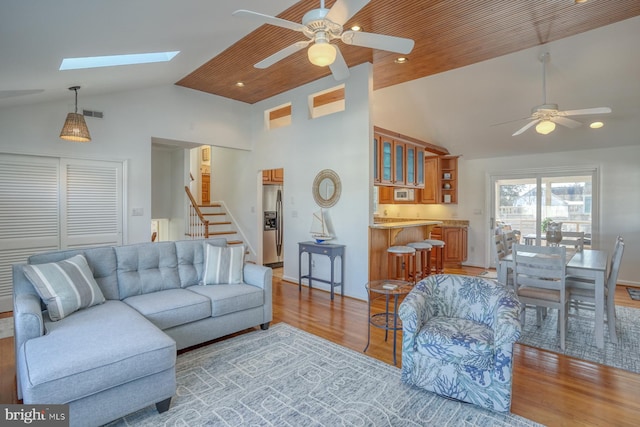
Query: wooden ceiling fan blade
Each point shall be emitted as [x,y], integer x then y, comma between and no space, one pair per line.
[343,10]
[585,111]
[339,67]
[281,54]
[267,19]
[378,41]
[525,127]
[570,123]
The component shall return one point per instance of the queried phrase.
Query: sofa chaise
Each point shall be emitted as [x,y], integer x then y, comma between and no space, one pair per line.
[106,344]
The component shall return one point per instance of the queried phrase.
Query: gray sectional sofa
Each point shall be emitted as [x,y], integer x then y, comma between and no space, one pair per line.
[118,356]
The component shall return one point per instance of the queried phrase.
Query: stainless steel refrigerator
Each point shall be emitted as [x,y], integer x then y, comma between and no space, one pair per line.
[273,225]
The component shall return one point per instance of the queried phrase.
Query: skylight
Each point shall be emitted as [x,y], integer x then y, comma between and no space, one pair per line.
[115,60]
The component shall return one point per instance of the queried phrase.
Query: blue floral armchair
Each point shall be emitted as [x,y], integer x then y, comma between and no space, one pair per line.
[457,339]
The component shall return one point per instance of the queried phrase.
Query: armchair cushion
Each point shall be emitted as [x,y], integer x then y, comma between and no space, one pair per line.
[455,340]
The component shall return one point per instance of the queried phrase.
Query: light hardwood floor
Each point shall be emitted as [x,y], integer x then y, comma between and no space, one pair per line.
[548,388]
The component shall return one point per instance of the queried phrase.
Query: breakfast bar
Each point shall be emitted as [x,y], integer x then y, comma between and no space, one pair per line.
[385,234]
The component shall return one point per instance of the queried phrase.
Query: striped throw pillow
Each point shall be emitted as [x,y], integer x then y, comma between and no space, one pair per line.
[223,265]
[65,286]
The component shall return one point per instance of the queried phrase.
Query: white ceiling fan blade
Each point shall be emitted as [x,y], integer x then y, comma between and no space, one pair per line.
[281,54]
[585,111]
[570,123]
[343,10]
[378,41]
[266,19]
[339,67]
[525,127]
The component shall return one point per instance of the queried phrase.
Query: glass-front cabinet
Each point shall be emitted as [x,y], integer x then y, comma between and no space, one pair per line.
[399,163]
[411,165]
[386,165]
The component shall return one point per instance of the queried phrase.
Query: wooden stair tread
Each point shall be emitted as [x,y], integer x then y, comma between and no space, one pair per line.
[211,205]
[220,223]
[211,214]
[221,233]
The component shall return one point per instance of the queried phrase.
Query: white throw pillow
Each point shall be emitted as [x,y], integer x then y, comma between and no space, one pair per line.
[66,286]
[223,265]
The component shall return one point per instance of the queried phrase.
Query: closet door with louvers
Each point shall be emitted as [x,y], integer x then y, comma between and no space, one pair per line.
[91,203]
[29,213]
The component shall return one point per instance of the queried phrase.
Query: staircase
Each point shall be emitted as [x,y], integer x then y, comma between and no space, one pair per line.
[213,220]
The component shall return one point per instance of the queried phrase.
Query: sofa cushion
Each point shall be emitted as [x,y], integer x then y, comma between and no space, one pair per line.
[145,268]
[459,341]
[223,265]
[230,298]
[101,260]
[172,307]
[90,351]
[65,286]
[191,259]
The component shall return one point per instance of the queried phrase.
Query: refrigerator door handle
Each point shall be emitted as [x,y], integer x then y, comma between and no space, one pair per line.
[279,223]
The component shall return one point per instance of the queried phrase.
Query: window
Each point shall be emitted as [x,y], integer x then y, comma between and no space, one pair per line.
[327,102]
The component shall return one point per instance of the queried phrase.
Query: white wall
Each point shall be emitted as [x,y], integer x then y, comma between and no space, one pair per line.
[131,120]
[338,141]
[619,198]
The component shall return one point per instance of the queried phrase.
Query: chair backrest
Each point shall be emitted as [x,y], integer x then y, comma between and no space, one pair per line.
[616,259]
[540,266]
[573,239]
[510,239]
[500,250]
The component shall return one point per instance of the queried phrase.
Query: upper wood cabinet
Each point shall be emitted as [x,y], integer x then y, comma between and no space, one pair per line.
[273,176]
[399,159]
[441,180]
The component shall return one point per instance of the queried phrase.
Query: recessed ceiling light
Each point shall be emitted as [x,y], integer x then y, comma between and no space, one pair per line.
[240,84]
[115,60]
[356,28]
[580,1]
[596,125]
[401,60]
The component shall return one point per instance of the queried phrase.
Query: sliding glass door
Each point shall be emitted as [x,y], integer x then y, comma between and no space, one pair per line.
[527,201]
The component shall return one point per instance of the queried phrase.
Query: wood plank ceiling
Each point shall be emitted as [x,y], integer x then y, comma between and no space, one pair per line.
[448,34]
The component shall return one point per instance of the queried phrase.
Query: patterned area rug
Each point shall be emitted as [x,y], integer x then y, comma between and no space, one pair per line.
[287,377]
[580,341]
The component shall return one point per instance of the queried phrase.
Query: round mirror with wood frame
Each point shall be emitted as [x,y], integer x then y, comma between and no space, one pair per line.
[326,188]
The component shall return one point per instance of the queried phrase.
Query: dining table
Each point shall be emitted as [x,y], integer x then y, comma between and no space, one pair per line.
[590,264]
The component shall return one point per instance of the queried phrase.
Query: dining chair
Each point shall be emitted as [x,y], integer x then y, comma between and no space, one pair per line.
[510,239]
[539,280]
[582,291]
[574,239]
[499,253]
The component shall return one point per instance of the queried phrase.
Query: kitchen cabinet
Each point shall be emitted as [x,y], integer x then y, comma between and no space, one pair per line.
[441,180]
[455,249]
[399,159]
[273,176]
[385,195]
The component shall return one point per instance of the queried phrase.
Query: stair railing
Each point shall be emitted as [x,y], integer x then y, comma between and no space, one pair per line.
[198,226]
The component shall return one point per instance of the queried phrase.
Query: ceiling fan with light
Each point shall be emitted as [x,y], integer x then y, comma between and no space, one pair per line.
[544,117]
[321,26]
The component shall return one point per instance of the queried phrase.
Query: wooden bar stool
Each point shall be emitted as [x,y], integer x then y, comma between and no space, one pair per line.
[438,247]
[399,258]
[423,253]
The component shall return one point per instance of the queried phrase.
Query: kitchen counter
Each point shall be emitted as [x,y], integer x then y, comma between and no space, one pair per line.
[382,235]
[404,224]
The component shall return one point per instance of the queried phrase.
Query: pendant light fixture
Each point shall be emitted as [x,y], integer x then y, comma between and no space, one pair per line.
[75,128]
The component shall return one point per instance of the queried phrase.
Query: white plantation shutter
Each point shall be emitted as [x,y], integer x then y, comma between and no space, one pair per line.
[29,214]
[91,203]
[48,203]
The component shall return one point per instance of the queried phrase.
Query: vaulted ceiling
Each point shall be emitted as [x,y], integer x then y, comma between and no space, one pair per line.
[448,33]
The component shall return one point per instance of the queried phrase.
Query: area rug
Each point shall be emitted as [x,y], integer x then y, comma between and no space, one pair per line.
[634,293]
[580,340]
[287,377]
[6,327]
